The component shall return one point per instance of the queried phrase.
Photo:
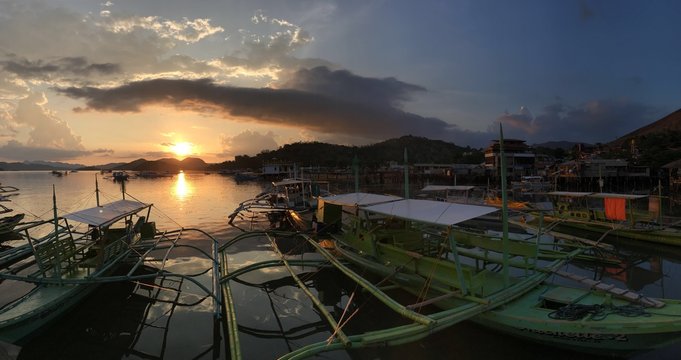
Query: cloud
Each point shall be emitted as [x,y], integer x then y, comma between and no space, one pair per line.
[268,53]
[591,122]
[63,66]
[335,107]
[47,130]
[187,30]
[16,151]
[248,143]
[41,40]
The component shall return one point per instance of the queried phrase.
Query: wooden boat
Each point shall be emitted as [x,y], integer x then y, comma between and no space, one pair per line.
[246,176]
[610,214]
[416,245]
[120,176]
[59,265]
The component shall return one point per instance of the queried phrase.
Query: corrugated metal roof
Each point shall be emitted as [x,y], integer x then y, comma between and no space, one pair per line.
[107,214]
[432,212]
[359,199]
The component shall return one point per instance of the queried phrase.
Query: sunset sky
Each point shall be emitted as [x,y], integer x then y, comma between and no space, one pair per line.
[95,82]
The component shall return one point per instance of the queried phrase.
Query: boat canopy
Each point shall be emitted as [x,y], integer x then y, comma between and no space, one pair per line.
[359,199]
[448,187]
[107,214]
[617,196]
[433,212]
[569,193]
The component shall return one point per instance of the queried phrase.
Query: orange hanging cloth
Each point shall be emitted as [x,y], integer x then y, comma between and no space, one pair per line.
[615,209]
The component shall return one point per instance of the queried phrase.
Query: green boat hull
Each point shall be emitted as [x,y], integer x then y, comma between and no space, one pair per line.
[48,304]
[527,316]
[659,236]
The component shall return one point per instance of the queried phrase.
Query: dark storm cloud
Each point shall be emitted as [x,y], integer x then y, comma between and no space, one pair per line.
[63,66]
[592,122]
[342,84]
[318,100]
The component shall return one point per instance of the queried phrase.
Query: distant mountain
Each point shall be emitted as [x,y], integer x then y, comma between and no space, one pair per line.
[38,165]
[110,166]
[565,145]
[420,150]
[669,123]
[172,165]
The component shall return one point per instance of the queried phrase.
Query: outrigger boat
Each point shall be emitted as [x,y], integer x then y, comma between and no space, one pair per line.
[508,286]
[59,265]
[299,195]
[505,285]
[467,194]
[609,214]
[415,243]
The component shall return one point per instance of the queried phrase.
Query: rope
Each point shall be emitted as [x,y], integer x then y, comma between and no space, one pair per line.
[159,211]
[597,312]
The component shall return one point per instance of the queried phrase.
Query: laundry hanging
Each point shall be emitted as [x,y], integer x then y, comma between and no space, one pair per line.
[615,209]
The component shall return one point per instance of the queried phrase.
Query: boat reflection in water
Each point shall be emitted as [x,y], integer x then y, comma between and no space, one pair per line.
[128,319]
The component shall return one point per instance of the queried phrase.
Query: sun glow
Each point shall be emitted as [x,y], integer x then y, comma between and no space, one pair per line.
[182,148]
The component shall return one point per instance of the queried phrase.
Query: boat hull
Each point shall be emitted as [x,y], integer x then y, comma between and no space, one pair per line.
[526,317]
[658,236]
[18,329]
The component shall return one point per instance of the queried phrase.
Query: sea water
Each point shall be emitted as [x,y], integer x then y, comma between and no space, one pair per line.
[175,320]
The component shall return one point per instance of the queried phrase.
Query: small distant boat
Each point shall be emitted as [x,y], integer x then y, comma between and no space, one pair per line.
[8,223]
[59,173]
[246,176]
[120,175]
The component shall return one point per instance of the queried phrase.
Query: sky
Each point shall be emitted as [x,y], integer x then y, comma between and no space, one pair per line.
[95,82]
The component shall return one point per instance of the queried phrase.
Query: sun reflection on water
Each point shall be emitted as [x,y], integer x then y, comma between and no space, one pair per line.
[182,187]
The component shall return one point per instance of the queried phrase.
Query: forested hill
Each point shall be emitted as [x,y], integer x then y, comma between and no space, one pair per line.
[419,149]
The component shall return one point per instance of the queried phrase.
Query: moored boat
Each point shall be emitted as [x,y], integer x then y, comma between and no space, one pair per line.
[610,214]
[64,259]
[415,243]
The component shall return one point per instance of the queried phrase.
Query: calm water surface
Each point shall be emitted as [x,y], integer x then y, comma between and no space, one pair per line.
[174,320]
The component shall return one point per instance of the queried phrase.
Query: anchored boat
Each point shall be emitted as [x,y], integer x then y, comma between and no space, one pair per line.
[416,244]
[604,214]
[506,285]
[66,258]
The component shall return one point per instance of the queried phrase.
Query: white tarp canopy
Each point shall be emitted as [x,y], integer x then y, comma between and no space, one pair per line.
[359,199]
[107,214]
[618,196]
[448,187]
[569,193]
[433,212]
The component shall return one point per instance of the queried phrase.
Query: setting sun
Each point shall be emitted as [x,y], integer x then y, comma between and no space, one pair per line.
[182,148]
